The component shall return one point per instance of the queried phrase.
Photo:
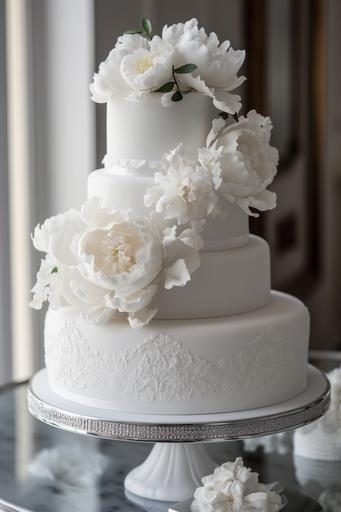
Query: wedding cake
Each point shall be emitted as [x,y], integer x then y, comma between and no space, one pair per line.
[159,298]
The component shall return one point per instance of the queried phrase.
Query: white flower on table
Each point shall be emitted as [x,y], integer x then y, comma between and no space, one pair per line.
[103,261]
[234,488]
[248,161]
[186,189]
[217,64]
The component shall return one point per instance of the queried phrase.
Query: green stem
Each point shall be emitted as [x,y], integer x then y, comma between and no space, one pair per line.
[174,78]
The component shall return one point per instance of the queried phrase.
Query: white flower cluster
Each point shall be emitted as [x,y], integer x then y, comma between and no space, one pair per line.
[137,66]
[234,488]
[237,165]
[186,189]
[103,261]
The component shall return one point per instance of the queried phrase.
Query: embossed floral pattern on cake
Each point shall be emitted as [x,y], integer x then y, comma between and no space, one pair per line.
[161,367]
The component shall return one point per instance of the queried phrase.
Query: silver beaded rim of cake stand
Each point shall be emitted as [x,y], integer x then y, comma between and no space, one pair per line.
[179,433]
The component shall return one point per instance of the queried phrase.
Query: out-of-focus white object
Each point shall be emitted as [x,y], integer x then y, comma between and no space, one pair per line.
[322,439]
[278,443]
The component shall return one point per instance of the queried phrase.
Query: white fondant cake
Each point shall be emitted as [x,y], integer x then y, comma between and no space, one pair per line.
[159,298]
[166,128]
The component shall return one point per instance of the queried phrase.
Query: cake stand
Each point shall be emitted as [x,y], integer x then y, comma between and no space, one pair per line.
[179,460]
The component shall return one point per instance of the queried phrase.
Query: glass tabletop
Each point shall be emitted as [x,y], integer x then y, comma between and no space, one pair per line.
[43,469]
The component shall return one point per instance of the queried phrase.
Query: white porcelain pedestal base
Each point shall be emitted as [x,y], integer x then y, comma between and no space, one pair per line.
[171,472]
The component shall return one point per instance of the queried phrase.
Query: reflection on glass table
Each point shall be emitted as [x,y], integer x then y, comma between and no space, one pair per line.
[43,469]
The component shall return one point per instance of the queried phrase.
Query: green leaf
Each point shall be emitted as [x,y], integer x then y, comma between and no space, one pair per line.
[147,26]
[54,270]
[167,87]
[186,68]
[177,96]
[133,31]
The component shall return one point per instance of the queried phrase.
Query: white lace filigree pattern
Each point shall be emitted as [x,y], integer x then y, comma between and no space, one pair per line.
[161,368]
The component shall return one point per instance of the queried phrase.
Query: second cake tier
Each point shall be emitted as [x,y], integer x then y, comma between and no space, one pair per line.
[226,283]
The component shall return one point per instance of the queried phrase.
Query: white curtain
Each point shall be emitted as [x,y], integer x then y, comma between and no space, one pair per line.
[50,136]
[5,298]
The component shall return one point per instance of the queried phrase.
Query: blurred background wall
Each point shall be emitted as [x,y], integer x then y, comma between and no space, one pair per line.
[57,136]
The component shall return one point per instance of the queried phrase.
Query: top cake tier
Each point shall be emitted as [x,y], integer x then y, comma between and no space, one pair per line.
[146,130]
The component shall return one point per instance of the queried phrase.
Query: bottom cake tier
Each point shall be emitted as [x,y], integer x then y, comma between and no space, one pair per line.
[181,366]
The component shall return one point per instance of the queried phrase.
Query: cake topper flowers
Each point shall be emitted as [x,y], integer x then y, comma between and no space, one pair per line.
[182,60]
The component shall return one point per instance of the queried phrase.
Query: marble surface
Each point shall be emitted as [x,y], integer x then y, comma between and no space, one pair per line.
[43,469]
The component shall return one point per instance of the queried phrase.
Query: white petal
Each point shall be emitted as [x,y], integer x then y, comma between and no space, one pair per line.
[217,125]
[169,235]
[56,234]
[196,83]
[192,239]
[265,200]
[166,99]
[225,101]
[134,303]
[176,275]
[141,318]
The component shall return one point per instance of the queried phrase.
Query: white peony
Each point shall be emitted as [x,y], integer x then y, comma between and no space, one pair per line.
[248,163]
[186,189]
[134,66]
[234,488]
[109,79]
[148,69]
[102,261]
[217,65]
